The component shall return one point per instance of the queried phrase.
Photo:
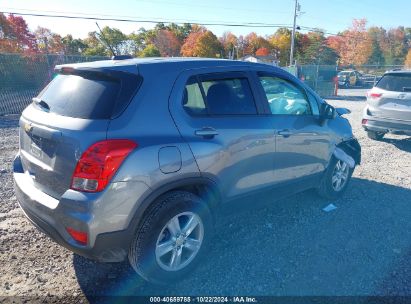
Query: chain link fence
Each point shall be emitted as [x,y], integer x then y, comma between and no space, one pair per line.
[321,78]
[22,77]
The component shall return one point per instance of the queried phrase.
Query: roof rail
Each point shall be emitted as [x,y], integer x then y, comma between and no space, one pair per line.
[121,57]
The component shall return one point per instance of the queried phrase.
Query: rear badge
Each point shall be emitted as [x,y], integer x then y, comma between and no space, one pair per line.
[402,96]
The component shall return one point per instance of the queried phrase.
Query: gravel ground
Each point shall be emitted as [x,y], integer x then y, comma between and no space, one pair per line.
[289,247]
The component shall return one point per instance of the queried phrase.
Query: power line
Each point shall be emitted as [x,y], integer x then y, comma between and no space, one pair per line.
[205,23]
[246,24]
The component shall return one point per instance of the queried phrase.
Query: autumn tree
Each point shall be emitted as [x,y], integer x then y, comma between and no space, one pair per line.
[229,42]
[312,48]
[395,46]
[201,43]
[354,46]
[166,38]
[253,42]
[280,41]
[48,42]
[15,36]
[407,62]
[167,43]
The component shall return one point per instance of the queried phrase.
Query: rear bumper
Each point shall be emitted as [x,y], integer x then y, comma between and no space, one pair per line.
[385,125]
[83,212]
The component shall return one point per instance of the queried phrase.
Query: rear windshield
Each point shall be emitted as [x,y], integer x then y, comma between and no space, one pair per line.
[89,95]
[395,82]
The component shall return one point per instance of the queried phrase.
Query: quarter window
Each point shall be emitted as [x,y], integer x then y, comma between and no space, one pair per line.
[193,100]
[284,98]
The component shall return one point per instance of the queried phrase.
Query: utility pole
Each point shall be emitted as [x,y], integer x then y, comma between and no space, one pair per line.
[296,9]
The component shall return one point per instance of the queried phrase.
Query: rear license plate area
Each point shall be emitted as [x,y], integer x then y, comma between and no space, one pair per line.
[35,150]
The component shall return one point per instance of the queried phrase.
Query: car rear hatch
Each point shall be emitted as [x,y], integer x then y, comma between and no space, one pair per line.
[69,115]
[391,98]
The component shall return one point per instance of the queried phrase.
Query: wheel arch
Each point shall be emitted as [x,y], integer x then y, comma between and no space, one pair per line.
[352,148]
[204,187]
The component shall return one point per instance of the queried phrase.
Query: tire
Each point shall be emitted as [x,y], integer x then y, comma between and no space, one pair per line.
[327,187]
[375,135]
[154,237]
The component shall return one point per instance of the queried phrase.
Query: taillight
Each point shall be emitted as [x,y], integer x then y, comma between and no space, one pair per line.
[79,236]
[99,163]
[374,95]
[364,121]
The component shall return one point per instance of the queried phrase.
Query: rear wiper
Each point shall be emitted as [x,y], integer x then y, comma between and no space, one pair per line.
[41,103]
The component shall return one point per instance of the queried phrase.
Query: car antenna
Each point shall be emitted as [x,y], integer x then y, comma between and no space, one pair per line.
[105,40]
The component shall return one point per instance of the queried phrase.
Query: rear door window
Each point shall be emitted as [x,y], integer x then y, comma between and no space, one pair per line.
[395,82]
[219,95]
[89,95]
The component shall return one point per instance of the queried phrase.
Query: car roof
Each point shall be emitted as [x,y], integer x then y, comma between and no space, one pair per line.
[181,63]
[398,71]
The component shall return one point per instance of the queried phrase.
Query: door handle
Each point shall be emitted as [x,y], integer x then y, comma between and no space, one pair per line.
[285,133]
[206,132]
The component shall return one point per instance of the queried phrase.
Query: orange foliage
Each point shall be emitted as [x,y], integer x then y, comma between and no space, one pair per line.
[354,46]
[15,36]
[262,52]
[201,43]
[167,43]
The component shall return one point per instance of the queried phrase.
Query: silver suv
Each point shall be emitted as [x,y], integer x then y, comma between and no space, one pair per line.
[135,158]
[388,107]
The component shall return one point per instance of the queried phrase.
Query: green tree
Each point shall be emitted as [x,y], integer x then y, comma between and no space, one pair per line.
[180,31]
[115,38]
[395,46]
[313,49]
[73,46]
[377,56]
[137,42]
[150,51]
[100,43]
[94,47]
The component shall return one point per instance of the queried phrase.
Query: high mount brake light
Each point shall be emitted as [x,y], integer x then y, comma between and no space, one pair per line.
[99,163]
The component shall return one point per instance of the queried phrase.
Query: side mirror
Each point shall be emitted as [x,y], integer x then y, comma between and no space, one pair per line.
[342,111]
[327,112]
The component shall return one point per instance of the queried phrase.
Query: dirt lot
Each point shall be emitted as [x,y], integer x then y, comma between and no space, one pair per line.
[288,247]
